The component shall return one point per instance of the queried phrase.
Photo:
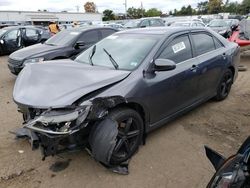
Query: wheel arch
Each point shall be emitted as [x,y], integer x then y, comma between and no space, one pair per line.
[142,112]
[232,69]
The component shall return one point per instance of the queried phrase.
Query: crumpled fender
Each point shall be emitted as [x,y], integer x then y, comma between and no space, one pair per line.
[101,105]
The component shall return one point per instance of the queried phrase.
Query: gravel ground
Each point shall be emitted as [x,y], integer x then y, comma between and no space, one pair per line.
[172,157]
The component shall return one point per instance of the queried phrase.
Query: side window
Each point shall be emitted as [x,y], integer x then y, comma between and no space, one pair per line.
[155,23]
[203,43]
[31,33]
[145,23]
[217,43]
[178,50]
[89,37]
[106,32]
[11,35]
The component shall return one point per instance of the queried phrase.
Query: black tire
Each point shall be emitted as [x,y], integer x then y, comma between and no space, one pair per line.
[130,133]
[224,86]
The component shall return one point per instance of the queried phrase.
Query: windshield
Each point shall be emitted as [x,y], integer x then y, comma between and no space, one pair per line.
[132,23]
[2,31]
[218,23]
[127,50]
[63,38]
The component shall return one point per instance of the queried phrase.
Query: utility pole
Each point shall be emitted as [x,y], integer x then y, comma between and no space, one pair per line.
[77,8]
[125,4]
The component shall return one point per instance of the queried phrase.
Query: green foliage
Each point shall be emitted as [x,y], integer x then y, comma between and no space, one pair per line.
[153,12]
[136,12]
[202,7]
[108,15]
[245,7]
[215,6]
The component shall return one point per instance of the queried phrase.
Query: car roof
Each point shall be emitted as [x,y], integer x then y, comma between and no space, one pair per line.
[161,30]
[82,29]
[21,26]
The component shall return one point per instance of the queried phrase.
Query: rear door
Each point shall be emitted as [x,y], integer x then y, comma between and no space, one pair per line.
[31,36]
[211,55]
[173,91]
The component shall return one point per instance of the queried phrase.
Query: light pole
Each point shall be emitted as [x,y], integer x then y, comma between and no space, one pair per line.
[125,4]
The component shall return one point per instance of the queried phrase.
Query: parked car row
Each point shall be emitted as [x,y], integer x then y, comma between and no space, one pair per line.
[119,89]
[66,44]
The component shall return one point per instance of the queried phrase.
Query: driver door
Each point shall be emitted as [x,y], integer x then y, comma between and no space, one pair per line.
[88,38]
[172,91]
[30,36]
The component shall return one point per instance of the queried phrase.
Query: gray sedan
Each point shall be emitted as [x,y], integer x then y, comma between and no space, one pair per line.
[128,84]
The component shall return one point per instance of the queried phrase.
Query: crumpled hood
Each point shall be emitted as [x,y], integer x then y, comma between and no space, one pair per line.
[59,84]
[33,51]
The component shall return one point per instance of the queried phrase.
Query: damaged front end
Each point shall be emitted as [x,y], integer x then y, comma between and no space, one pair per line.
[59,130]
[55,130]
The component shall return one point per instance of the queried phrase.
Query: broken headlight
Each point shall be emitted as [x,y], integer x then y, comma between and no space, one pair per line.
[231,174]
[59,121]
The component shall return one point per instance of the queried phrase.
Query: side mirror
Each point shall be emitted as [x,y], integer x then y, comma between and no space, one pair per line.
[164,65]
[79,44]
[143,26]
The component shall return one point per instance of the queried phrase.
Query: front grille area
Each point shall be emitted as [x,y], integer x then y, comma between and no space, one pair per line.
[15,62]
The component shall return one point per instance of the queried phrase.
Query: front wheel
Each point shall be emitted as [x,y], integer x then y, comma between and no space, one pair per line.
[224,86]
[130,132]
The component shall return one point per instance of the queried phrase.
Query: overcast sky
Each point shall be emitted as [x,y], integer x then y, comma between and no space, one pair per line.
[115,5]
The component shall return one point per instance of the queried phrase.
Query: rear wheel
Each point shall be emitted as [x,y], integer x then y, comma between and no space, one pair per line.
[224,86]
[130,132]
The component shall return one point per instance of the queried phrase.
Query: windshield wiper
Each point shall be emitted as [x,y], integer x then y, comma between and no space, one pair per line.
[92,54]
[111,59]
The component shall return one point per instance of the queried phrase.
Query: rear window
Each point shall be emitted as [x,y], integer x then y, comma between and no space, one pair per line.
[203,43]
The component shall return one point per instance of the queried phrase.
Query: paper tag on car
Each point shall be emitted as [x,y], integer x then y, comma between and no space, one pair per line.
[178,47]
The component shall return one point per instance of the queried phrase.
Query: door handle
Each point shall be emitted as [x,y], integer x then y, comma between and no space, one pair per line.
[194,67]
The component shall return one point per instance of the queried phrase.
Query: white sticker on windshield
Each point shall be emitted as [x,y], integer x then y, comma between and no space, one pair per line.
[178,47]
[74,33]
[112,37]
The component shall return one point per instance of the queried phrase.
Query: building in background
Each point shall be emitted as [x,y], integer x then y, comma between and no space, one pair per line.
[43,18]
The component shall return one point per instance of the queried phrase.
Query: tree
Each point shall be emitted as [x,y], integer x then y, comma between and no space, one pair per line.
[153,12]
[135,13]
[245,7]
[233,7]
[90,7]
[215,6]
[202,7]
[108,15]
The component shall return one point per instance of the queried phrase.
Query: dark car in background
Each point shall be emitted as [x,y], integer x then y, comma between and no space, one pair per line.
[66,44]
[123,87]
[224,27]
[16,37]
[144,22]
